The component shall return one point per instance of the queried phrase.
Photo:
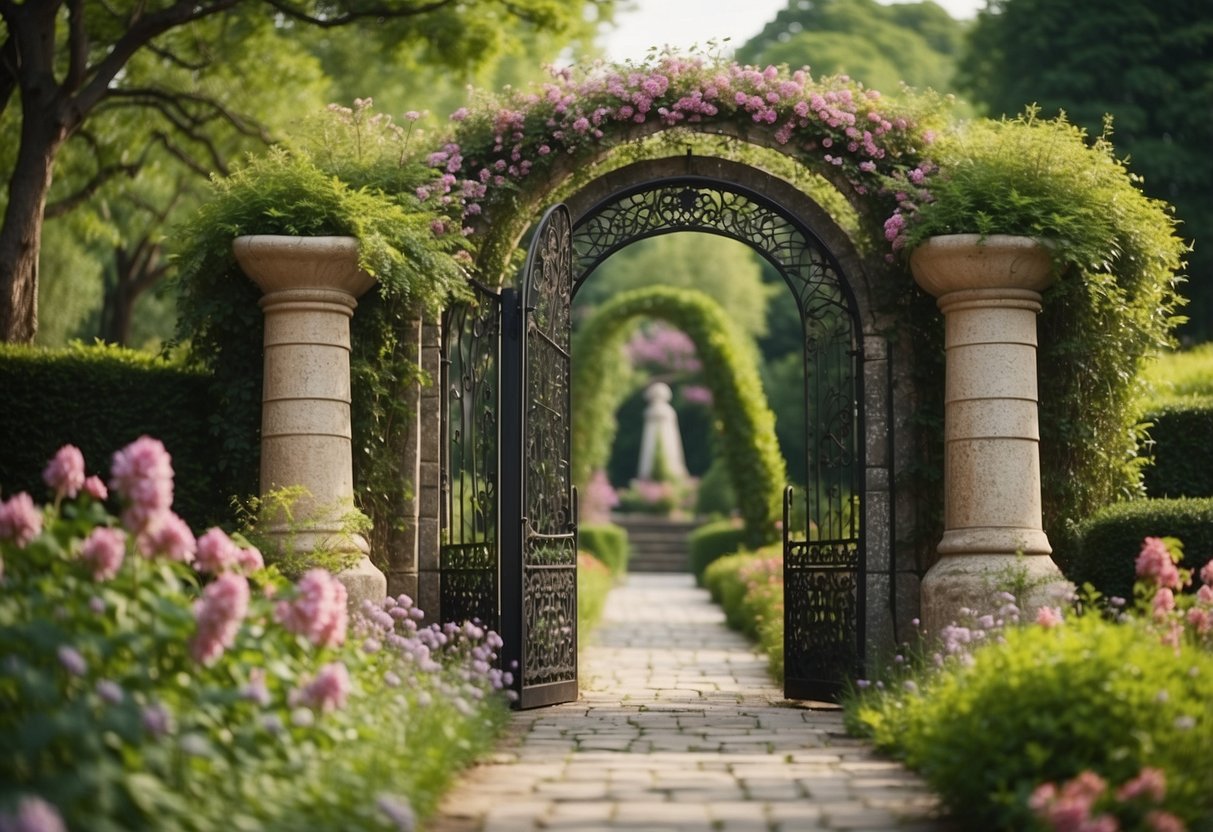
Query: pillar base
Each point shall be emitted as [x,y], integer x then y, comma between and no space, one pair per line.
[363,582]
[973,581]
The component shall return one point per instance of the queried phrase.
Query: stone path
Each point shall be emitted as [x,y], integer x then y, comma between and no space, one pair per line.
[680,728]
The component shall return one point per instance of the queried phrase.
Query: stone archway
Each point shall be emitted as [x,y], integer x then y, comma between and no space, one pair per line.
[889,587]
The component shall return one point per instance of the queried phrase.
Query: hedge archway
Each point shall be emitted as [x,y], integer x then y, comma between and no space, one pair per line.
[730,369]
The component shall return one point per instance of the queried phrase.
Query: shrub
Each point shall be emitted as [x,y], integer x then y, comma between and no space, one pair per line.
[1181,450]
[139,691]
[1109,541]
[1180,374]
[716,496]
[51,398]
[709,542]
[607,542]
[1095,718]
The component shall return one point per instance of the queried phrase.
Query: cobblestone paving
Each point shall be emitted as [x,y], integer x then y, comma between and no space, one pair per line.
[679,728]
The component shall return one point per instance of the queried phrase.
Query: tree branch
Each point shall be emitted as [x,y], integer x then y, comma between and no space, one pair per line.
[77,43]
[8,69]
[174,105]
[103,174]
[385,11]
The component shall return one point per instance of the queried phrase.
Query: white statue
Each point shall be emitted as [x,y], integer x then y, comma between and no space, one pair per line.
[661,436]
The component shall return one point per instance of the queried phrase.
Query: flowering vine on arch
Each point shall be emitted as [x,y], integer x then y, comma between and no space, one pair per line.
[505,152]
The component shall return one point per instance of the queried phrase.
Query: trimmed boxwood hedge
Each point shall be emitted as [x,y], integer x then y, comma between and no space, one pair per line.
[1109,542]
[100,398]
[1182,454]
[712,541]
[607,542]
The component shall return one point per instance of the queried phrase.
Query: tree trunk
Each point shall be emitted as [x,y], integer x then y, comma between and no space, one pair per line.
[21,233]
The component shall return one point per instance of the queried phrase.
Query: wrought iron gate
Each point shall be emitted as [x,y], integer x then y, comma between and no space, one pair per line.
[539,505]
[824,567]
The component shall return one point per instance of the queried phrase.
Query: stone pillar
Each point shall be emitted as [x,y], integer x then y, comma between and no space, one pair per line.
[429,483]
[989,293]
[311,285]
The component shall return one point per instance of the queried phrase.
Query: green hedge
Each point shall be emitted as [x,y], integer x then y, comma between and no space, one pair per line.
[101,398]
[715,540]
[607,542]
[1182,453]
[1109,542]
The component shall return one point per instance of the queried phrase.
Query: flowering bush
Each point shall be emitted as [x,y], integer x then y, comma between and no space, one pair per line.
[151,679]
[1094,718]
[749,588]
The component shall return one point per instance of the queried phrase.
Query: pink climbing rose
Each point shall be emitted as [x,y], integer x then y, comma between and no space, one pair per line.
[1155,564]
[216,552]
[220,611]
[142,474]
[104,550]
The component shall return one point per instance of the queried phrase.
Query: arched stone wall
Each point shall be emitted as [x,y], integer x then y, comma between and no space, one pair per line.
[888,394]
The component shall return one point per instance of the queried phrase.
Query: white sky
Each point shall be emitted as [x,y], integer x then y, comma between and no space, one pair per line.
[683,23]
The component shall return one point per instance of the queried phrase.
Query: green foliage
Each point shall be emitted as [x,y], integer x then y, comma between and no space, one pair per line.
[1059,55]
[351,173]
[1117,257]
[99,398]
[749,588]
[747,429]
[712,541]
[1176,375]
[1044,704]
[607,542]
[1180,451]
[716,496]
[1110,540]
[108,712]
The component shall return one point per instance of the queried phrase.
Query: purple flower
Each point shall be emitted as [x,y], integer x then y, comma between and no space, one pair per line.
[33,815]
[223,606]
[65,472]
[156,720]
[71,660]
[20,520]
[103,551]
[398,811]
[256,690]
[109,691]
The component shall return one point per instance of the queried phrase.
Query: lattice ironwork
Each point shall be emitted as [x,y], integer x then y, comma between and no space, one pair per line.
[471,399]
[824,591]
[540,560]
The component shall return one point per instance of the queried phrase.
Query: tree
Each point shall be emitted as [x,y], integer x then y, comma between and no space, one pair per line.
[880,45]
[69,61]
[1149,63]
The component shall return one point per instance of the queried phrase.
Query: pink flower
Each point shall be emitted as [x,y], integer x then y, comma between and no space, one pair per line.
[1048,617]
[1206,574]
[1155,564]
[1164,603]
[103,550]
[318,611]
[328,691]
[1160,821]
[219,613]
[33,815]
[1201,620]
[1205,594]
[142,474]
[1151,782]
[65,472]
[216,552]
[167,535]
[95,488]
[250,559]
[460,114]
[20,520]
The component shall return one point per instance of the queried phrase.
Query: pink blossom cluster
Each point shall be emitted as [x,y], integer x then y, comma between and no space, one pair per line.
[497,146]
[1158,570]
[217,553]
[65,472]
[20,520]
[599,498]
[1085,803]
[142,476]
[318,609]
[219,613]
[33,814]
[327,691]
[1156,565]
[697,394]
[104,550]
[663,347]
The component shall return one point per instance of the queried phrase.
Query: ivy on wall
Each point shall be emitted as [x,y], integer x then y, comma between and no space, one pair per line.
[730,368]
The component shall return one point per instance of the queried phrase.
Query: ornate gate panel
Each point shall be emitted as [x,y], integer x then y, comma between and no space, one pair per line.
[538,502]
[468,556]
